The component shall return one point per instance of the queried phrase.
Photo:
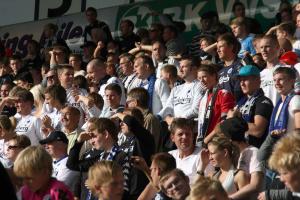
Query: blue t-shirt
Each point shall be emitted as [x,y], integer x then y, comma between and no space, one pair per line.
[246,45]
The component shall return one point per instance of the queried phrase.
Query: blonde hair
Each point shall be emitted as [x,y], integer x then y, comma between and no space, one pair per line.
[174,172]
[33,160]
[222,142]
[101,173]
[204,187]
[286,153]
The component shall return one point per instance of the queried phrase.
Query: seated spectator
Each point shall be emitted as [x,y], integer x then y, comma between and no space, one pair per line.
[16,65]
[138,98]
[5,71]
[34,166]
[27,124]
[206,188]
[223,154]
[58,55]
[235,128]
[7,104]
[214,105]
[104,136]
[158,89]
[285,160]
[113,93]
[80,82]
[32,58]
[175,185]
[7,133]
[56,145]
[187,155]
[162,163]
[88,49]
[106,180]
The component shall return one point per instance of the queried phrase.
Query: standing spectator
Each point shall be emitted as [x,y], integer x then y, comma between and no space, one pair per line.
[49,37]
[91,17]
[128,38]
[184,99]
[158,89]
[34,165]
[255,108]
[173,44]
[228,47]
[32,58]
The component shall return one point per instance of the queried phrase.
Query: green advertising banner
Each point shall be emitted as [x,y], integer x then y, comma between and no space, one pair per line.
[190,11]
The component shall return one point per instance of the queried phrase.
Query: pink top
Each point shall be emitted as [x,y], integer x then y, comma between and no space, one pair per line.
[56,191]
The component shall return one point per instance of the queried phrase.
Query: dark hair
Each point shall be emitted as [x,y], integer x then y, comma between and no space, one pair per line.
[194,60]
[129,56]
[181,123]
[129,23]
[291,73]
[211,69]
[236,4]
[114,87]
[22,141]
[58,93]
[105,124]
[15,57]
[25,76]
[76,55]
[230,39]
[25,95]
[173,29]
[91,9]
[141,96]
[81,82]
[288,27]
[98,100]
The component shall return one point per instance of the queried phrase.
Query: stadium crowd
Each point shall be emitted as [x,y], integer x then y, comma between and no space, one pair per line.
[145,116]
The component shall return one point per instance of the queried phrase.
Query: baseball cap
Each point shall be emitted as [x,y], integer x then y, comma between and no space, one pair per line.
[55,136]
[249,70]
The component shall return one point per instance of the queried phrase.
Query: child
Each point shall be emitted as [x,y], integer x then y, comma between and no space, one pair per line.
[105,180]
[34,166]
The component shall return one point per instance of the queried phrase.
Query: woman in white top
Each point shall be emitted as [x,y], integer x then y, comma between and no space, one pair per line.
[223,154]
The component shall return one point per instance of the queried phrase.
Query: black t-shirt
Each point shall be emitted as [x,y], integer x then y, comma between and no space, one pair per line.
[263,107]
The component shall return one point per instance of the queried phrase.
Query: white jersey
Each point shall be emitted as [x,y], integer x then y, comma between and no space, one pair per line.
[131,82]
[64,174]
[30,126]
[184,100]
[170,61]
[248,161]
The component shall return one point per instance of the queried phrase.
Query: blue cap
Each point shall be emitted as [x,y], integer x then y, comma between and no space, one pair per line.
[249,70]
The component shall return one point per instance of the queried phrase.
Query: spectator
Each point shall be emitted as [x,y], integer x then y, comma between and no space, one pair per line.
[241,32]
[184,99]
[91,17]
[255,108]
[139,98]
[24,80]
[157,88]
[32,58]
[126,66]
[16,65]
[173,44]
[58,55]
[206,188]
[175,185]
[27,124]
[49,37]
[228,48]
[34,165]
[56,145]
[106,180]
[88,51]
[169,73]
[214,105]
[128,38]
[235,128]
[75,60]
[223,154]
[8,108]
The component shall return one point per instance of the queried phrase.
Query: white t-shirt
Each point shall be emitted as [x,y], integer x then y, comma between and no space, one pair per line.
[188,164]
[30,126]
[64,174]
[248,161]
[3,159]
[267,84]
[184,100]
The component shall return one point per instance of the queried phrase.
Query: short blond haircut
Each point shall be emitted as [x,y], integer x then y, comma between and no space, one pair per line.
[206,187]
[33,160]
[286,153]
[101,173]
